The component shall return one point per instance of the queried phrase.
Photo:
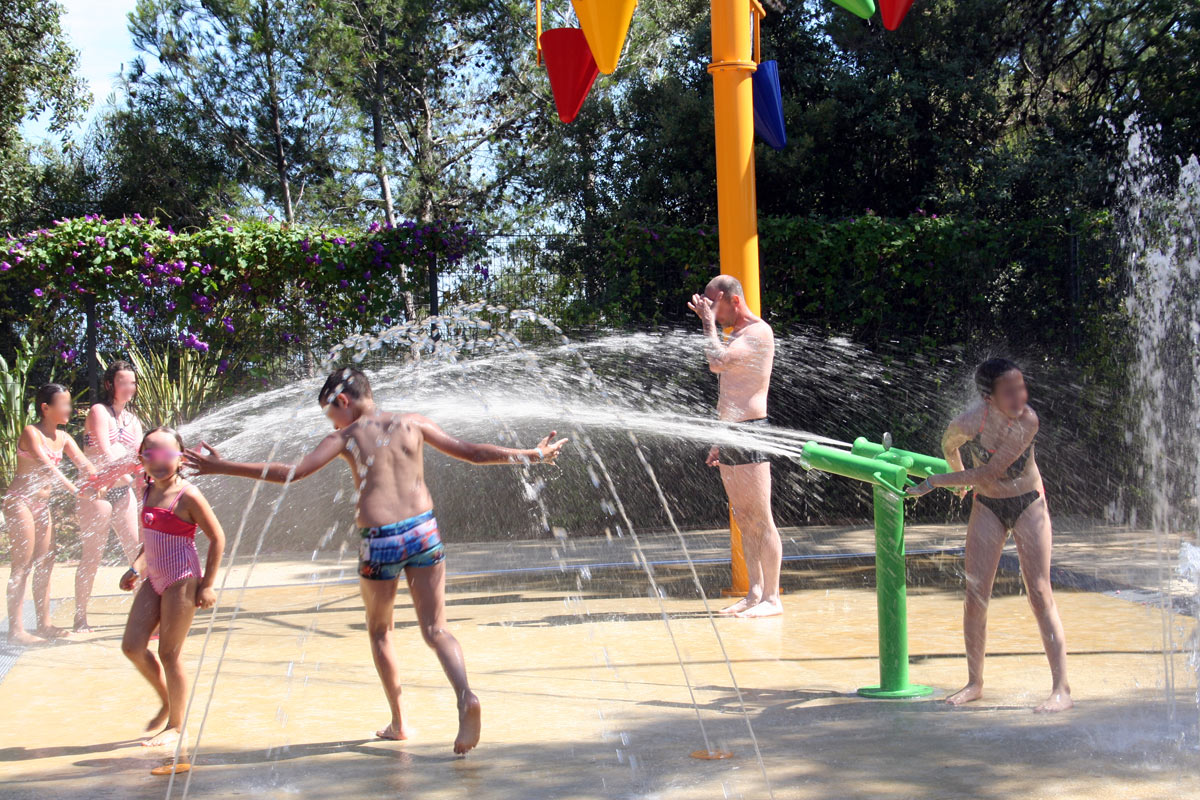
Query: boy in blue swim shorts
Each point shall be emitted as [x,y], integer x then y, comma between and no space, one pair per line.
[396,522]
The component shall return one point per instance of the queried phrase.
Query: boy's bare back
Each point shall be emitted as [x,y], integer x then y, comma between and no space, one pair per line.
[385,454]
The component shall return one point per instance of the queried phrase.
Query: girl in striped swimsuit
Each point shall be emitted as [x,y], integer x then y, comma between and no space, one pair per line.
[111,436]
[40,452]
[172,510]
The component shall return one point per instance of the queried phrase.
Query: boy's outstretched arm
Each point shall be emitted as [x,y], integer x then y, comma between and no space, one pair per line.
[546,451]
[211,463]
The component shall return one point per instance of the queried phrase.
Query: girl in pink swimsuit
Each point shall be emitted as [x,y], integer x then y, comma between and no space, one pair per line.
[40,451]
[172,510]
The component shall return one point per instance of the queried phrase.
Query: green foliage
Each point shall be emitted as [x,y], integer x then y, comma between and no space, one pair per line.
[244,67]
[171,394]
[37,75]
[235,286]
[16,402]
[923,278]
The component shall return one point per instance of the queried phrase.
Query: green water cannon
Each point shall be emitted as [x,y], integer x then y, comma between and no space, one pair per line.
[889,471]
[919,465]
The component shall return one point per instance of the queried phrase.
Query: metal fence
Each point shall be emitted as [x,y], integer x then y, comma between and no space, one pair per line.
[518,270]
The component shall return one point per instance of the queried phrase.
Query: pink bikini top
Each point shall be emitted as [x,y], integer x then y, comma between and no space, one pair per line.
[53,456]
[163,520]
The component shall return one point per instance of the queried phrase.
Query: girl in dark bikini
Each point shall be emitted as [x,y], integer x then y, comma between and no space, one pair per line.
[40,450]
[111,436]
[1009,495]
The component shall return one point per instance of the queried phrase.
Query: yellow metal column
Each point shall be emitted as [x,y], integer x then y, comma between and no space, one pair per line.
[737,206]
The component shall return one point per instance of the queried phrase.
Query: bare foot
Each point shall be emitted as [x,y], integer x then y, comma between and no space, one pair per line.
[52,632]
[767,608]
[469,722]
[1059,700]
[167,737]
[738,607]
[81,626]
[158,718]
[967,694]
[24,638]
[396,733]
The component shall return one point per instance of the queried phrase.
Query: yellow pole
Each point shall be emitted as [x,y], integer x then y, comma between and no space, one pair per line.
[737,208]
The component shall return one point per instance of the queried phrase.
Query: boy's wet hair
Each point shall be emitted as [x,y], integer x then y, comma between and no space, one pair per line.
[45,396]
[345,380]
[989,371]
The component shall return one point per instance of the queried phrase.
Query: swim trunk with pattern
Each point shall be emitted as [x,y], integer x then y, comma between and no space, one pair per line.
[388,549]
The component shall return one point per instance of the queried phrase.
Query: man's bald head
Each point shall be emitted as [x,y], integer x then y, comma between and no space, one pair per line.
[728,299]
[728,285]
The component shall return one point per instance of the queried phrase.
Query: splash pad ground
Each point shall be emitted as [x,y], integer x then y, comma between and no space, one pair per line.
[584,696]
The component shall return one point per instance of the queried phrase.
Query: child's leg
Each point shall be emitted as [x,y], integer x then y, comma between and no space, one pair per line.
[143,616]
[93,527]
[21,528]
[125,523]
[985,544]
[1033,536]
[43,563]
[379,599]
[428,588]
[178,607]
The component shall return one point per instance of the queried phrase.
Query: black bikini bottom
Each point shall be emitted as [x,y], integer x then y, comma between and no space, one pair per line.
[1008,509]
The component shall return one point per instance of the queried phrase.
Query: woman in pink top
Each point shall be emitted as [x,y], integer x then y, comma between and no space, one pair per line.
[111,436]
[172,510]
[40,450]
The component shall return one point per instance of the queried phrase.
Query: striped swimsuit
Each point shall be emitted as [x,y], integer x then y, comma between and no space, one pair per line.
[118,433]
[170,545]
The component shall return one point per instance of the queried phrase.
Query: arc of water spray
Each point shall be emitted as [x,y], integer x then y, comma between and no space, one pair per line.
[233,617]
[595,381]
[695,578]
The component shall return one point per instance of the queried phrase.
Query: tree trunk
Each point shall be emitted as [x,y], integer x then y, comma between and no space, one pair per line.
[385,186]
[281,164]
[92,363]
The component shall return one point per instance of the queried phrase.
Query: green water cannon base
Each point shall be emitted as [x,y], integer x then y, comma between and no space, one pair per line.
[889,471]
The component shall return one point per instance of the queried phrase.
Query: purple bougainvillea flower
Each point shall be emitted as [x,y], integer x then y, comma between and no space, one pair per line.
[5,266]
[75,254]
[222,366]
[38,293]
[206,269]
[228,323]
[170,305]
[100,240]
[108,270]
[367,275]
[343,283]
[226,217]
[306,245]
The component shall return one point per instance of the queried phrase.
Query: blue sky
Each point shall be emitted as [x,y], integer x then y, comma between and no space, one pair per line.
[98,30]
